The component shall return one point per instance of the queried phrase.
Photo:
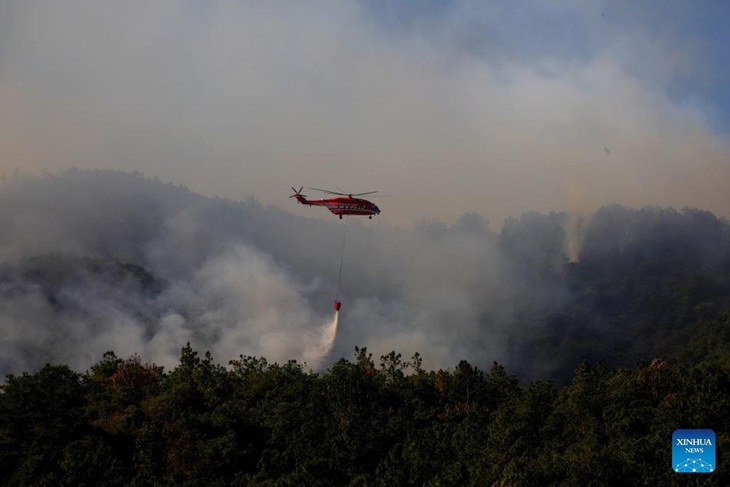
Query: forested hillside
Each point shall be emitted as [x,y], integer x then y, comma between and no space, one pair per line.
[645,283]
[384,423]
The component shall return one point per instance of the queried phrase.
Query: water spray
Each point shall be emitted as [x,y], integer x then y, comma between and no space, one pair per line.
[320,341]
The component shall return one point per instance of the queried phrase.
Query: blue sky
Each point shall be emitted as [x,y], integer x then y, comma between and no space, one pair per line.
[450,106]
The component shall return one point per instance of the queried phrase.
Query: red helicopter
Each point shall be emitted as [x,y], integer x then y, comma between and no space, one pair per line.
[346,204]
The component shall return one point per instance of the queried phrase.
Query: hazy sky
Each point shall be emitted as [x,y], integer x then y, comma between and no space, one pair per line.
[448,106]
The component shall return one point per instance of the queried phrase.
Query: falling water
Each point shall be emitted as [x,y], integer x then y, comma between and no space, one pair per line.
[320,342]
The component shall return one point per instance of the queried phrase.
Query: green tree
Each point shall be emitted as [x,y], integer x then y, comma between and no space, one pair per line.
[40,415]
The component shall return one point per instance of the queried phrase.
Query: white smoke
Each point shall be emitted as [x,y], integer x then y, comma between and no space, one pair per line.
[241,279]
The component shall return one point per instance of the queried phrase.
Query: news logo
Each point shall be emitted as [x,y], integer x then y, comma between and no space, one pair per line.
[693,451]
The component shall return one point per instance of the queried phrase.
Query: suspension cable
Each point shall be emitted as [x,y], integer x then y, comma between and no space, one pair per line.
[342,257]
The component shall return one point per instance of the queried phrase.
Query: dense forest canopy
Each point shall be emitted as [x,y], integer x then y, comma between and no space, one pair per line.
[362,422]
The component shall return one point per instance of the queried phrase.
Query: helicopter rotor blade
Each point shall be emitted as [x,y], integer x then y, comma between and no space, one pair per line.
[343,194]
[329,192]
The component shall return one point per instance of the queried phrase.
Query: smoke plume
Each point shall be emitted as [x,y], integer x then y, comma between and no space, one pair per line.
[96,260]
[233,277]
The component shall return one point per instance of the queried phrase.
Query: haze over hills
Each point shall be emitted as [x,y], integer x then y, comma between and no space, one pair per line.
[98,260]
